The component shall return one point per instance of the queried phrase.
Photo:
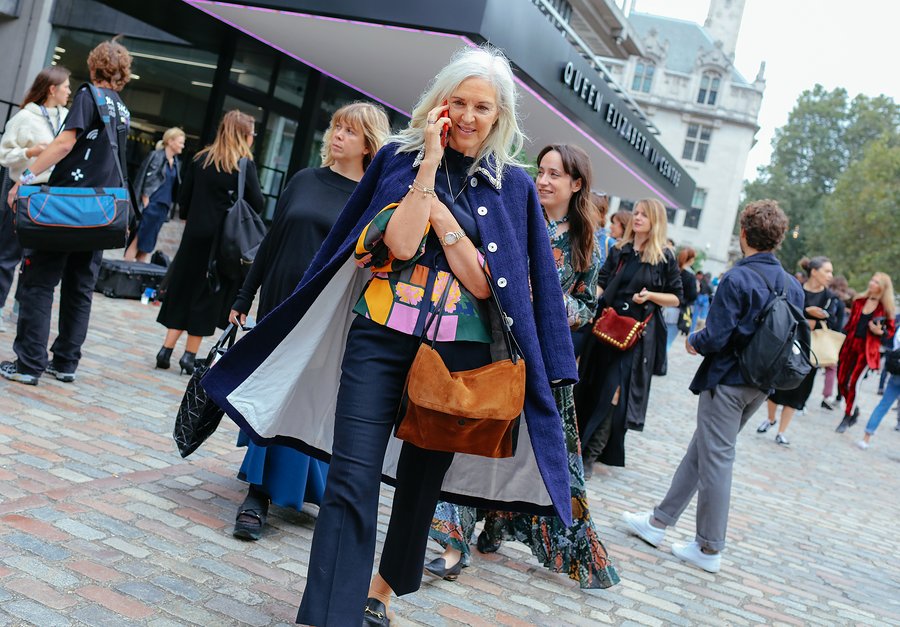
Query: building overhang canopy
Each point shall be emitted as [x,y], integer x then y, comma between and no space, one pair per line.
[390,55]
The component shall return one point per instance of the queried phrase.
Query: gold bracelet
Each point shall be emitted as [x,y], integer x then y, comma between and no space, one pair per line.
[426,191]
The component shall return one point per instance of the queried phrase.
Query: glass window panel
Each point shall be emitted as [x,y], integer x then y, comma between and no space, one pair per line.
[291,84]
[693,129]
[253,65]
[671,214]
[705,132]
[170,86]
[701,152]
[250,109]
[699,200]
[692,219]
[688,152]
[712,98]
[277,142]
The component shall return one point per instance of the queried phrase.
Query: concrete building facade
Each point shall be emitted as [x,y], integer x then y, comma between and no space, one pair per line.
[706,113]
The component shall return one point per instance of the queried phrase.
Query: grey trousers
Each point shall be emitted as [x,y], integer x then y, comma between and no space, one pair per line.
[707,465]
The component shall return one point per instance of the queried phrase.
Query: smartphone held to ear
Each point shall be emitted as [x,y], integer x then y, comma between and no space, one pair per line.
[445,131]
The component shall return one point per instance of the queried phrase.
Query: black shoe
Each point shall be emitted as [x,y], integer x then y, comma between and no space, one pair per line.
[65,377]
[486,544]
[251,516]
[845,423]
[186,363]
[827,405]
[588,469]
[438,568]
[164,358]
[375,614]
[854,416]
[10,370]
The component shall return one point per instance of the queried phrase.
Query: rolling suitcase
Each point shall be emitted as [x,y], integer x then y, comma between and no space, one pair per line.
[127,279]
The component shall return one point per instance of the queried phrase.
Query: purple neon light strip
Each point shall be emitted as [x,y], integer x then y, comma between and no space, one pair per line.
[196,4]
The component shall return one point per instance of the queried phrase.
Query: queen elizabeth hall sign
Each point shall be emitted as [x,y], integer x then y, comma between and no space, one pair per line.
[620,121]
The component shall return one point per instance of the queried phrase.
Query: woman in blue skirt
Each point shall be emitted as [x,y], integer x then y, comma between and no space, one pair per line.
[306,211]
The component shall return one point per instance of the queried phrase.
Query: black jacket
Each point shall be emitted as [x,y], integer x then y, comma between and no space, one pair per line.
[650,351]
[152,175]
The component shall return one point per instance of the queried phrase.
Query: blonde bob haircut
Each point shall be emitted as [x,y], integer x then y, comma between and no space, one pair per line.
[506,139]
[656,213]
[364,117]
[231,142]
[170,135]
[887,293]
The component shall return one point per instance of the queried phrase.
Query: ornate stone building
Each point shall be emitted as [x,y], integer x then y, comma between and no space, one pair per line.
[706,113]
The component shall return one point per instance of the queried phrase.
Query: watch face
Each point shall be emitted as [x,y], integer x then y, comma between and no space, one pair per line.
[451,238]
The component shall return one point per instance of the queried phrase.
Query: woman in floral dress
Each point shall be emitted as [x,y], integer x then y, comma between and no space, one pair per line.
[564,184]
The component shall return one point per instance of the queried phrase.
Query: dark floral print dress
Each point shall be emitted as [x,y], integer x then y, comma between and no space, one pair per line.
[576,550]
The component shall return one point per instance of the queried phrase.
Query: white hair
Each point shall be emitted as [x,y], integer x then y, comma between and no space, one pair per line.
[506,139]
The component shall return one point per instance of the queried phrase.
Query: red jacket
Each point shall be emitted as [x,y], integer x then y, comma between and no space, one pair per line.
[873,342]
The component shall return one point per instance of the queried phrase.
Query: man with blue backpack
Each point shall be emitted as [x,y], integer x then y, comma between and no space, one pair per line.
[754,341]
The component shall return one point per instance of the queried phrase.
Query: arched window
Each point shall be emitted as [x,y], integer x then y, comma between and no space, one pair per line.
[709,88]
[643,76]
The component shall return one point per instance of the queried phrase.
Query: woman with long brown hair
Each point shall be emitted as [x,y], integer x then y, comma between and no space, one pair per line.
[26,135]
[563,184]
[640,276]
[871,317]
[209,189]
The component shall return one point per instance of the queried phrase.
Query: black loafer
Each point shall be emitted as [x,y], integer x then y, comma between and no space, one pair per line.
[375,614]
[438,568]
[486,544]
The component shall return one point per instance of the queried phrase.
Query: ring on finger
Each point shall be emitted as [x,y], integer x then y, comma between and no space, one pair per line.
[432,121]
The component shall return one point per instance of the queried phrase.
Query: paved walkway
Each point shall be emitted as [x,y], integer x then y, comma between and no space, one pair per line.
[102,523]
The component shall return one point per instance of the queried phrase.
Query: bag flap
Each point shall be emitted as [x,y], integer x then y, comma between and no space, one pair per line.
[492,392]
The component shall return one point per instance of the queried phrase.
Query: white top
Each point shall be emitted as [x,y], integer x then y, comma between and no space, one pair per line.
[25,129]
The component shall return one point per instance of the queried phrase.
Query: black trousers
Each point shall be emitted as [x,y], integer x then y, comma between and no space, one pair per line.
[376,362]
[10,251]
[41,272]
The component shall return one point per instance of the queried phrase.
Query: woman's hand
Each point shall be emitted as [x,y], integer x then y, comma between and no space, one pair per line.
[875,328]
[641,297]
[238,318]
[816,312]
[434,122]
[35,150]
[11,196]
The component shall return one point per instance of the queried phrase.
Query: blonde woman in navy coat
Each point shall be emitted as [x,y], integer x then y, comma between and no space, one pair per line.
[325,370]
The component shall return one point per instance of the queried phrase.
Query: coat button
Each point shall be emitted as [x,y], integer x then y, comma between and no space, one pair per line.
[482,211]
[492,247]
[509,321]
[501,282]
[473,182]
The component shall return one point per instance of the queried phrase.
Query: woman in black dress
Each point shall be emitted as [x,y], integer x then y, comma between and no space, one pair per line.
[612,393]
[821,307]
[209,189]
[307,209]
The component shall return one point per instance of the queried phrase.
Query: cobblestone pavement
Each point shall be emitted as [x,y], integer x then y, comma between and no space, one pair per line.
[102,523]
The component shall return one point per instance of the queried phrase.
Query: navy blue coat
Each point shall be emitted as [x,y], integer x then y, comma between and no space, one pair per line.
[509,215]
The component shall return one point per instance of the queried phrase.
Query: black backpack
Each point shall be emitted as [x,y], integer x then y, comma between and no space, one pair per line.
[892,361]
[777,355]
[239,236]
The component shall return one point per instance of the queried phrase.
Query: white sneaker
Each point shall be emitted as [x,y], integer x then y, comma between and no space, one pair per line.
[862,444]
[690,552]
[641,527]
[765,425]
[780,439]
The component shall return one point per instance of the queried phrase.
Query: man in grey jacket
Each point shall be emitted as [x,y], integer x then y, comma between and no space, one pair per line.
[726,400]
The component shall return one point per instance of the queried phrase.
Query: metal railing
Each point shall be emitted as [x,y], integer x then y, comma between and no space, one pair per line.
[561,23]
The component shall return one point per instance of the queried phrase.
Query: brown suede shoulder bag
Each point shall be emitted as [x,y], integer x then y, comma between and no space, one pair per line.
[476,411]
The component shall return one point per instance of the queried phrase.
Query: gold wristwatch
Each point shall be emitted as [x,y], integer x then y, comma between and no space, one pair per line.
[452,237]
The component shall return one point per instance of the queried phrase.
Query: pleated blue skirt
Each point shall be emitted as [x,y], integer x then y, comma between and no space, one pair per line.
[288,476]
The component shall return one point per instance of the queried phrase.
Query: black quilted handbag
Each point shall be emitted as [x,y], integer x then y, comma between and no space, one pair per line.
[198,416]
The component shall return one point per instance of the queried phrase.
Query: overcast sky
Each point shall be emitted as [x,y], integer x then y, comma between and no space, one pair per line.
[804,42]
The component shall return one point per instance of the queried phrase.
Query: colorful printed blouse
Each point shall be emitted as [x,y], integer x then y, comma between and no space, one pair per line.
[579,288]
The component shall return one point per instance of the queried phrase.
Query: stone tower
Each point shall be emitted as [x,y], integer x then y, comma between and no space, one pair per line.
[723,23]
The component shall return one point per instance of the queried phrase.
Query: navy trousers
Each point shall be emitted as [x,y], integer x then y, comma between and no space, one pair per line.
[374,368]
[41,272]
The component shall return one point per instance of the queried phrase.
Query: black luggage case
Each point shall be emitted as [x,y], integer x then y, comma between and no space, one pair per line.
[127,279]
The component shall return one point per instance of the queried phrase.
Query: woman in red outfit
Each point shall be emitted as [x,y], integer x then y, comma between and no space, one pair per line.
[871,317]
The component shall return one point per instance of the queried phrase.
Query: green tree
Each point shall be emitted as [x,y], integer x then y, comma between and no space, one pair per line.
[824,134]
[861,219]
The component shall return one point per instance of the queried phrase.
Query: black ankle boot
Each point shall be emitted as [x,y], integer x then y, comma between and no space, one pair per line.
[845,424]
[186,363]
[163,358]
